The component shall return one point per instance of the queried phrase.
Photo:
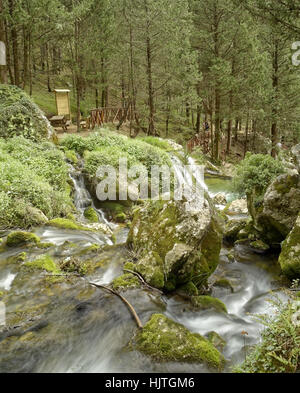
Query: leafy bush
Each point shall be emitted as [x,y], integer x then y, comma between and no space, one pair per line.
[279,351]
[33,183]
[106,147]
[256,173]
[164,145]
[20,116]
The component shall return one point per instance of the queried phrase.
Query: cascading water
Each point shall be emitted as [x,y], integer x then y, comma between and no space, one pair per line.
[82,329]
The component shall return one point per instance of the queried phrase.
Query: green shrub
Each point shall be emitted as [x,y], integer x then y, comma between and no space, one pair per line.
[279,351]
[20,116]
[106,148]
[33,183]
[255,173]
[162,144]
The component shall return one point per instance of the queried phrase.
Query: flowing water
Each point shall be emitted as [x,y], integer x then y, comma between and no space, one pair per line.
[70,326]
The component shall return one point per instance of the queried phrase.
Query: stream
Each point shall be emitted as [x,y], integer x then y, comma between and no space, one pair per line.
[70,326]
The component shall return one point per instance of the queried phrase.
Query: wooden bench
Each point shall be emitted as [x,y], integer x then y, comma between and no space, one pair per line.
[60,121]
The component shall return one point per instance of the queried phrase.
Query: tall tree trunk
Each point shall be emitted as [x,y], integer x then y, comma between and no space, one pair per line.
[246,135]
[275,80]
[26,56]
[8,56]
[77,74]
[3,68]
[217,88]
[14,37]
[151,127]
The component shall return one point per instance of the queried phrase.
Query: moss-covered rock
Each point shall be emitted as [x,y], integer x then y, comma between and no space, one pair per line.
[19,239]
[259,246]
[64,223]
[276,216]
[208,302]
[188,289]
[289,258]
[176,245]
[216,340]
[224,283]
[166,340]
[232,228]
[45,262]
[125,282]
[91,215]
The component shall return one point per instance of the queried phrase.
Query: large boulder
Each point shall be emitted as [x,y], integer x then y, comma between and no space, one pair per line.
[176,245]
[165,340]
[289,258]
[281,204]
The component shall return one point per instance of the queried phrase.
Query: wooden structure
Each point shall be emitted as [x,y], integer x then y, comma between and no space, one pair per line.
[59,121]
[99,116]
[63,106]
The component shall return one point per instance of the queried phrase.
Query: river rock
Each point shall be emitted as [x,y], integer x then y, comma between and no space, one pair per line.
[279,211]
[233,228]
[289,258]
[175,244]
[220,199]
[239,206]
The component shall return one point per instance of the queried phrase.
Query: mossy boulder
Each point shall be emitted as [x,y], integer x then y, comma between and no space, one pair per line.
[45,262]
[19,239]
[277,214]
[289,258]
[216,340]
[65,223]
[232,229]
[20,116]
[125,282]
[176,245]
[208,302]
[165,340]
[259,246]
[91,215]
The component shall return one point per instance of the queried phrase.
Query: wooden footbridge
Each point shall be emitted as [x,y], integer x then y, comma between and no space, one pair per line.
[100,116]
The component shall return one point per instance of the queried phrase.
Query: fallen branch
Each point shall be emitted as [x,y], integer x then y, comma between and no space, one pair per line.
[143,281]
[132,310]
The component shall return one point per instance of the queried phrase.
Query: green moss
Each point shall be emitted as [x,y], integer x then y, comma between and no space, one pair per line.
[71,157]
[216,340]
[64,223]
[44,263]
[18,239]
[260,246]
[18,258]
[127,281]
[224,283]
[118,212]
[91,215]
[289,258]
[44,246]
[208,302]
[189,289]
[129,266]
[166,340]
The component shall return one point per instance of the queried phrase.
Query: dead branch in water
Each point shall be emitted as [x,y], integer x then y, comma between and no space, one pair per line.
[132,310]
[143,281]
[130,307]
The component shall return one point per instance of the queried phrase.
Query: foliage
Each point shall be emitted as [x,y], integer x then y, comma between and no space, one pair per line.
[255,173]
[33,183]
[279,351]
[103,148]
[20,116]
